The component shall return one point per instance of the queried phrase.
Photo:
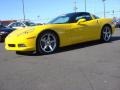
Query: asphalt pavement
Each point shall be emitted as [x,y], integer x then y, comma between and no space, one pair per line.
[88,66]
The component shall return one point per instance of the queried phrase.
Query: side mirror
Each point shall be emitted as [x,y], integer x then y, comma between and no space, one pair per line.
[81,21]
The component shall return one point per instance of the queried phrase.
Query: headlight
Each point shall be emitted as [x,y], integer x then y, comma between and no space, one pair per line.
[3,32]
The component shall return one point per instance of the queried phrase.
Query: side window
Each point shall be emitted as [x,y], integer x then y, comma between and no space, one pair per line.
[84,16]
[88,17]
[79,17]
[18,24]
[13,25]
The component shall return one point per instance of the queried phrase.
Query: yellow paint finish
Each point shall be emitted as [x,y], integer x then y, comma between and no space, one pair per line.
[70,33]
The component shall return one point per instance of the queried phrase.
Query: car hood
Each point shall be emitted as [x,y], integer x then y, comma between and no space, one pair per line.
[50,27]
[31,31]
[47,26]
[18,32]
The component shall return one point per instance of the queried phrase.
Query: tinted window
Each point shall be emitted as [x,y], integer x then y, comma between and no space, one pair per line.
[16,24]
[13,25]
[1,26]
[19,24]
[87,17]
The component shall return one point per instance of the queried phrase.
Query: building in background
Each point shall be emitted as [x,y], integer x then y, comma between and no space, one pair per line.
[6,22]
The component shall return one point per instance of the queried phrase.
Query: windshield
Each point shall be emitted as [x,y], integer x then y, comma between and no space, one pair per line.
[1,26]
[60,20]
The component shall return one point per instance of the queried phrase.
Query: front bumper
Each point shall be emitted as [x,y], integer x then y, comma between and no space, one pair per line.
[20,44]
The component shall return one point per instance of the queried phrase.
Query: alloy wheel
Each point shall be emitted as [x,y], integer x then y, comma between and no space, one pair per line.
[106,34]
[48,42]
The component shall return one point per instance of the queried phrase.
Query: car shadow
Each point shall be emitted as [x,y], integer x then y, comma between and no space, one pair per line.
[77,46]
[1,41]
[115,38]
[86,44]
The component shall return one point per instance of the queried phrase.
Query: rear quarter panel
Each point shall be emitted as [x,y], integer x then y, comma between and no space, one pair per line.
[104,21]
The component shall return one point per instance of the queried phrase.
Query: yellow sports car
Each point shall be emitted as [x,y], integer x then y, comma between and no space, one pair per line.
[67,29]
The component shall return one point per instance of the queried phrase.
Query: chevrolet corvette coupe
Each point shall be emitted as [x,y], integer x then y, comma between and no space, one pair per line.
[67,29]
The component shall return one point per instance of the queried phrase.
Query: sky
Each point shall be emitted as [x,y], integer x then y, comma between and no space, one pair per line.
[44,10]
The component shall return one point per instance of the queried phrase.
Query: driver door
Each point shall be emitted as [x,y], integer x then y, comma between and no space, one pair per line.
[85,31]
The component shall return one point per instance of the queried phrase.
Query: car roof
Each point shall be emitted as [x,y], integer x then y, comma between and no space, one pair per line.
[76,13]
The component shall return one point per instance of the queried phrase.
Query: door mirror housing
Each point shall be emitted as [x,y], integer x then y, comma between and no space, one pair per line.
[81,21]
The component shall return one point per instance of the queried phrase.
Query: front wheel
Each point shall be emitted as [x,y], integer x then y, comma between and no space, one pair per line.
[106,34]
[47,42]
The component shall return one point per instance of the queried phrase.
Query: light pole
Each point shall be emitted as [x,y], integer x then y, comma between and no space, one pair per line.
[104,8]
[75,6]
[85,5]
[23,7]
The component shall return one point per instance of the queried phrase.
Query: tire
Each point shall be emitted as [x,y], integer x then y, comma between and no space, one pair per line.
[1,39]
[106,34]
[47,43]
[19,52]
[118,26]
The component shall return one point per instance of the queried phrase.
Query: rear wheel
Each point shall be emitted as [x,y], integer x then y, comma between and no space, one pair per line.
[106,34]
[47,42]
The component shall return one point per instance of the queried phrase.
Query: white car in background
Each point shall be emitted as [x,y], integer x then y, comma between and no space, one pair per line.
[21,24]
